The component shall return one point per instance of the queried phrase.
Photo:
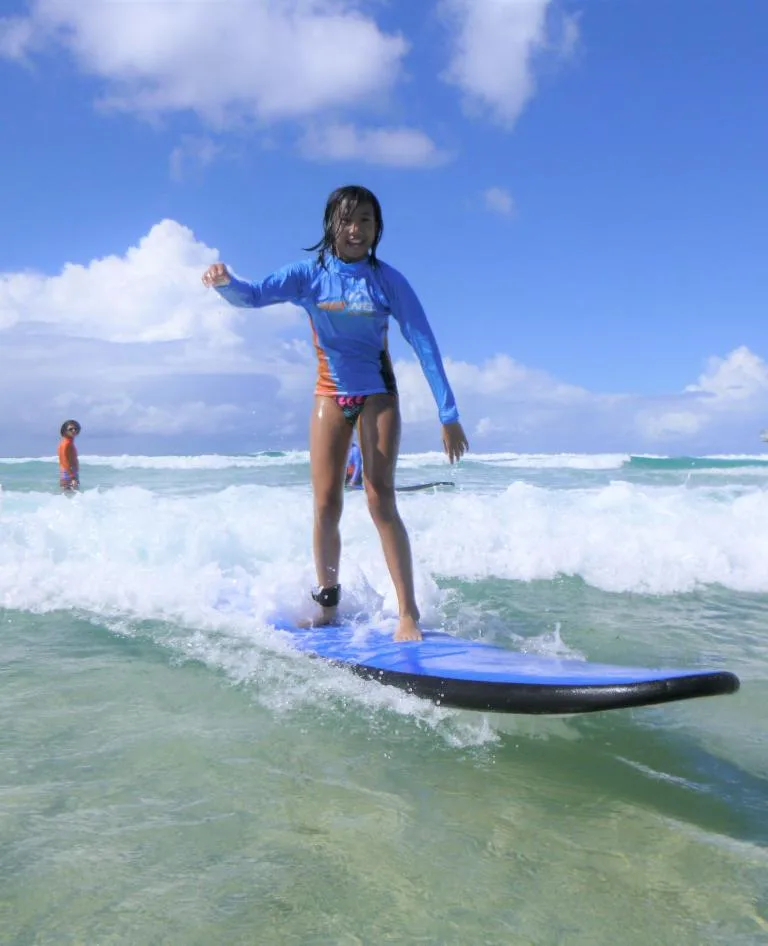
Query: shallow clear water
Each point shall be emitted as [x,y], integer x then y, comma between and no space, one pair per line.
[171,773]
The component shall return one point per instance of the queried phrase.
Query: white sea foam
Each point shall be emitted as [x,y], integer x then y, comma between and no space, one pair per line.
[543,461]
[619,538]
[730,472]
[217,568]
[736,456]
[553,461]
[706,456]
[131,549]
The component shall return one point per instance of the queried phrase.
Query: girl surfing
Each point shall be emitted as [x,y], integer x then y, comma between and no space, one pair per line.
[349,295]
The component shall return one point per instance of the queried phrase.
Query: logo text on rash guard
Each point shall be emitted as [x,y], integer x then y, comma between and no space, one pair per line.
[352,308]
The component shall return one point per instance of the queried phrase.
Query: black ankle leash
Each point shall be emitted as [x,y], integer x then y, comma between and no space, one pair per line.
[327,597]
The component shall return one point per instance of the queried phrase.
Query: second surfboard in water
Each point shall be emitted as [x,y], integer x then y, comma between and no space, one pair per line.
[438,484]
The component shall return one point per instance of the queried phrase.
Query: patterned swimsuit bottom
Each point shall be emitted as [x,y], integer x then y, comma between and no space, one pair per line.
[352,405]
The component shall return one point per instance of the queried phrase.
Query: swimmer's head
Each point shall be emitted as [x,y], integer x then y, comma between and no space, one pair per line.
[70,428]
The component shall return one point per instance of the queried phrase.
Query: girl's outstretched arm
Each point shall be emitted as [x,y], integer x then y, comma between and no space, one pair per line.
[288,284]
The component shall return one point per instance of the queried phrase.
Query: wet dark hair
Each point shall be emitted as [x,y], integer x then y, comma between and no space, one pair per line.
[343,202]
[69,423]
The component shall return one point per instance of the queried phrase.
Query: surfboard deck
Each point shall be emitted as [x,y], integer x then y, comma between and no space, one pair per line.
[473,675]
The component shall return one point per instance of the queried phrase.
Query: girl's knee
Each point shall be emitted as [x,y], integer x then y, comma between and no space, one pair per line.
[381,502]
[328,508]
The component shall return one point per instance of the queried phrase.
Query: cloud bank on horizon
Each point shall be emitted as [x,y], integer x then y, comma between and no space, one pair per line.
[135,346]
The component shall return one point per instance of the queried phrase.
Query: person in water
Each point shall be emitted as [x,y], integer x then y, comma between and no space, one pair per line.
[349,295]
[353,478]
[69,467]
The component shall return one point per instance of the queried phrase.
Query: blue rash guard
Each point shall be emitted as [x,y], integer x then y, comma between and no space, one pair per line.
[349,305]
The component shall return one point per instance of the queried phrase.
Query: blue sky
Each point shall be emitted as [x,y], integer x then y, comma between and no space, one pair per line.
[577,191]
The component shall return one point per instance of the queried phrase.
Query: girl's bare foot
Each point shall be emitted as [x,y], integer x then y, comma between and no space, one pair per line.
[323,618]
[408,629]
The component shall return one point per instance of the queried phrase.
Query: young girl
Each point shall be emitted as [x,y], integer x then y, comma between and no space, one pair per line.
[349,295]
[69,468]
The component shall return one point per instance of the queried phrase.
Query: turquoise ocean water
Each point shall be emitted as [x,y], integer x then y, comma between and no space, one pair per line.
[171,773]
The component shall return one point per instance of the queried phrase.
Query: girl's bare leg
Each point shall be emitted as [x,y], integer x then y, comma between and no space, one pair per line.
[329,438]
[379,428]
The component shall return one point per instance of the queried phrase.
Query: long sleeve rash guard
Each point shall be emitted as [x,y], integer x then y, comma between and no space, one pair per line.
[349,305]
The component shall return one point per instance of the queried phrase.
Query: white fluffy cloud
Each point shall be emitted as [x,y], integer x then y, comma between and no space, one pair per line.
[191,155]
[131,416]
[17,35]
[499,201]
[728,401]
[265,59]
[495,43]
[506,405]
[665,425]
[741,376]
[151,294]
[134,343]
[307,61]
[398,147]
[498,395]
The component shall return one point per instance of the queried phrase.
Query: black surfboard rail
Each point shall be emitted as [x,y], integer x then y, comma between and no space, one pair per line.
[544,699]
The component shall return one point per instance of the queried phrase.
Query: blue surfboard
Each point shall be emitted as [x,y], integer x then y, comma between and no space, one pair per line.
[474,675]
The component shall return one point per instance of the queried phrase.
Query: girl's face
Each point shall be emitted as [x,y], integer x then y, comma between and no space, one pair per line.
[356,233]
